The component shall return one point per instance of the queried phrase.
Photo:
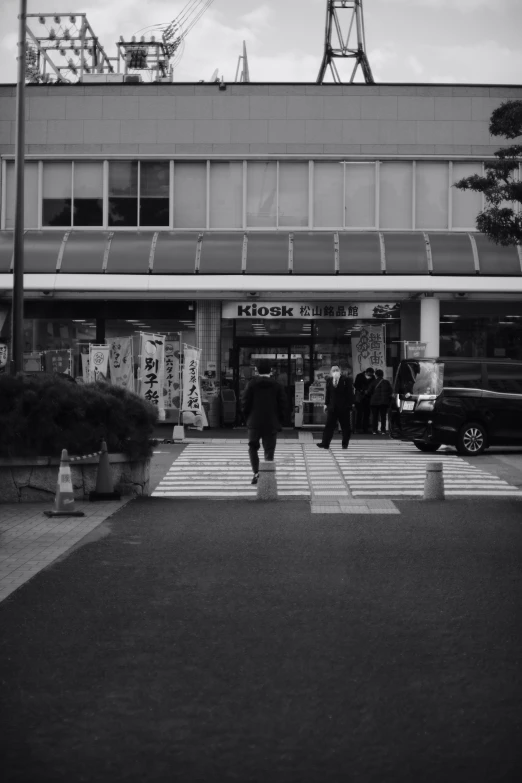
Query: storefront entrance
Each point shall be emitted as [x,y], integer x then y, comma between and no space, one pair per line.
[302,341]
[290,363]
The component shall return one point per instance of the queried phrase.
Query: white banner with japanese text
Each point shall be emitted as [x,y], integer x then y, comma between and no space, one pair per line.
[121,362]
[369,349]
[98,362]
[172,385]
[152,370]
[193,412]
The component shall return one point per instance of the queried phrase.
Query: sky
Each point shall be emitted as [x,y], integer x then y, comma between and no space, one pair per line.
[419,41]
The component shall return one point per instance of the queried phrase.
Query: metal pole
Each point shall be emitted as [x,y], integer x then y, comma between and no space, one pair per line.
[18,238]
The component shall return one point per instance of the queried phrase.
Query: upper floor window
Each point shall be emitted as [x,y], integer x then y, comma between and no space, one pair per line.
[357,195]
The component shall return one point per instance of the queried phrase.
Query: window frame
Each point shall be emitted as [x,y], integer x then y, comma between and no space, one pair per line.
[376,160]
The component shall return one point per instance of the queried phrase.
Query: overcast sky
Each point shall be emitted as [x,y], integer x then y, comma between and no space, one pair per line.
[431,41]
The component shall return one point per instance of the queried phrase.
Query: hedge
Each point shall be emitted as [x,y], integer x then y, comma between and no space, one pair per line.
[42,414]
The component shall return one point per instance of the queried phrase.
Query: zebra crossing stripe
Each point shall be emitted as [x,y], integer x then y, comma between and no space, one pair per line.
[391,469]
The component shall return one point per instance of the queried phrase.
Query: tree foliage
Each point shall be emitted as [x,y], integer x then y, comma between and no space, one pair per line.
[500,220]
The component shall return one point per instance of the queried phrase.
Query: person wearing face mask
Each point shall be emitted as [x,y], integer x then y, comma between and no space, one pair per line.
[338,406]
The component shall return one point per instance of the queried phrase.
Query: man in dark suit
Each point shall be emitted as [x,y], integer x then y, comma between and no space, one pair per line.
[362,401]
[264,409]
[339,401]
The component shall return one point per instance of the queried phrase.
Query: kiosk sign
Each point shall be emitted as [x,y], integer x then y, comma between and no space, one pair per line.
[290,310]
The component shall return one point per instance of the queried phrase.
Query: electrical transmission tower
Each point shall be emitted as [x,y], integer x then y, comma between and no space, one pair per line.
[348,43]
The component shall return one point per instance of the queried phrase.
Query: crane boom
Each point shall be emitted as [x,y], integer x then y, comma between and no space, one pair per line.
[176,31]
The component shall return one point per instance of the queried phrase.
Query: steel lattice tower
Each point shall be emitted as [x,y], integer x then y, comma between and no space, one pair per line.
[341,48]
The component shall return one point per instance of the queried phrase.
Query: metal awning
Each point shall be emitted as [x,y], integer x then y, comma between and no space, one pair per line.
[84,252]
[268,253]
[302,253]
[221,254]
[452,254]
[175,253]
[313,254]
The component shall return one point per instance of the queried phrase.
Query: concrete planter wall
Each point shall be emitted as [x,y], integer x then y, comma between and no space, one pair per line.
[24,480]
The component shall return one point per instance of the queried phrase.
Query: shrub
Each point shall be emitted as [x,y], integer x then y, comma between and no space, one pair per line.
[42,414]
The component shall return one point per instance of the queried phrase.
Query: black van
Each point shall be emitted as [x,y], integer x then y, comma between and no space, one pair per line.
[467,403]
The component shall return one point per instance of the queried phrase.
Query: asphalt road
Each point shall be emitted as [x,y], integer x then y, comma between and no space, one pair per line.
[241,641]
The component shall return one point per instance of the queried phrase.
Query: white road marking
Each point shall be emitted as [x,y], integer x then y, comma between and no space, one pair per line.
[364,470]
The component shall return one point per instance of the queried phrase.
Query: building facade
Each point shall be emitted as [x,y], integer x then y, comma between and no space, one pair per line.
[312,224]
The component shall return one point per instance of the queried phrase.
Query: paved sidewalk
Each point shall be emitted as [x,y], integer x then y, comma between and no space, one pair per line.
[30,541]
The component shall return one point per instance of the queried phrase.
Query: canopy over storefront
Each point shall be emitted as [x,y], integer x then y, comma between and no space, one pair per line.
[262,253]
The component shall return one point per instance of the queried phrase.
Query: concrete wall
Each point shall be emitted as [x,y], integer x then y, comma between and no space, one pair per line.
[256,119]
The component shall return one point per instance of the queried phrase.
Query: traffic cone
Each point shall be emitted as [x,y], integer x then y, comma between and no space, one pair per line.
[104,486]
[64,499]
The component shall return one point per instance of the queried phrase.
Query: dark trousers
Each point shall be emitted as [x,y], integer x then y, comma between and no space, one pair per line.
[269,443]
[362,418]
[332,417]
[379,412]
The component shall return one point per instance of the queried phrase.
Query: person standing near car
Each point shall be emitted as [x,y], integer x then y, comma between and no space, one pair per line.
[339,401]
[362,400]
[380,394]
[264,410]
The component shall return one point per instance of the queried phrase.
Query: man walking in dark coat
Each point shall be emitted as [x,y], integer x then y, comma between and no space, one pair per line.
[339,401]
[264,409]
[380,393]
[362,399]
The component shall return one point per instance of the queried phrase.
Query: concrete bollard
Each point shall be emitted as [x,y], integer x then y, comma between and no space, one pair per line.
[434,482]
[178,433]
[267,483]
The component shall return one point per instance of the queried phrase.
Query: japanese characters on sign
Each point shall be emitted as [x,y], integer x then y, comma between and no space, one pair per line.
[369,349]
[121,362]
[289,310]
[172,385]
[152,370]
[98,362]
[191,390]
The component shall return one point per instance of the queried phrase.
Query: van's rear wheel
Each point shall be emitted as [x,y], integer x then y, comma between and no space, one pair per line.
[429,447]
[471,439]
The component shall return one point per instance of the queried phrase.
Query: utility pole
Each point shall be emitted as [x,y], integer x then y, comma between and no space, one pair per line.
[349,43]
[17,331]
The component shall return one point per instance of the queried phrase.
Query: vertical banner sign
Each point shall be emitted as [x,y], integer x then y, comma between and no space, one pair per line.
[98,362]
[152,370]
[59,360]
[368,349]
[172,398]
[192,408]
[121,362]
[191,391]
[85,367]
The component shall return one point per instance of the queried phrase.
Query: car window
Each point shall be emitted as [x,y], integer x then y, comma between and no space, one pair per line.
[505,378]
[419,377]
[463,375]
